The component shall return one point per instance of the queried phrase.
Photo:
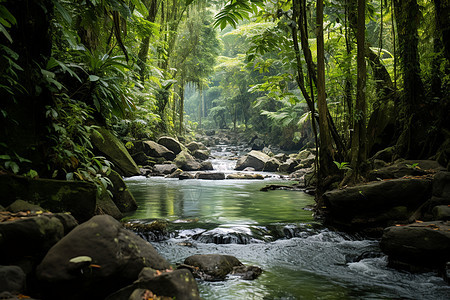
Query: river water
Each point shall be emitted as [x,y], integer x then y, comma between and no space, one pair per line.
[273,230]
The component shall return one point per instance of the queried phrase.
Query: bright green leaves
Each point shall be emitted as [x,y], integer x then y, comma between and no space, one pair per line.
[235,11]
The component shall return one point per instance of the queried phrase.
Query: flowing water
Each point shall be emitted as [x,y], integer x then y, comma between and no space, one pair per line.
[274,230]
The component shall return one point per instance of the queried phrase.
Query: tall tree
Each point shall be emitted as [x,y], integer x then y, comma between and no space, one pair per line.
[359,134]
[326,151]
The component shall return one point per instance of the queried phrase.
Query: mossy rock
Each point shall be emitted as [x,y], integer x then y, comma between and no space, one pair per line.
[122,197]
[76,197]
[114,150]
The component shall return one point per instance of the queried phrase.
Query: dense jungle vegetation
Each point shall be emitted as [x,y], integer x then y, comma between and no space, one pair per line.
[349,77]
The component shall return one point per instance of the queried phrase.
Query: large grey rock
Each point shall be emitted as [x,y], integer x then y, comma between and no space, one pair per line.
[192,146]
[12,279]
[164,169]
[213,267]
[115,151]
[122,197]
[171,144]
[376,203]
[76,197]
[206,166]
[186,162]
[254,159]
[271,165]
[201,154]
[105,205]
[420,245]
[178,284]
[95,259]
[29,237]
[154,149]
[405,168]
[288,166]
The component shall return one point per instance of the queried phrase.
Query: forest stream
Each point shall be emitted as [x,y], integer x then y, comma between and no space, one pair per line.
[273,230]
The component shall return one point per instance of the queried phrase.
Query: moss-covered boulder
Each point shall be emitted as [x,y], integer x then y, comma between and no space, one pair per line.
[154,149]
[122,197]
[76,197]
[114,150]
[186,162]
[106,206]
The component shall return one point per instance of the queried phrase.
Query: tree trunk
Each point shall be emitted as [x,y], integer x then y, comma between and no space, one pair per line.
[326,152]
[181,111]
[145,43]
[359,134]
[412,136]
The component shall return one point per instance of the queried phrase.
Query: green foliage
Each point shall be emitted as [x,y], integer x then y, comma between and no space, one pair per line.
[414,166]
[71,155]
[342,165]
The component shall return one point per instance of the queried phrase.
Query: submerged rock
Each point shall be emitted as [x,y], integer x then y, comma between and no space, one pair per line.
[164,169]
[116,256]
[245,176]
[417,246]
[210,175]
[215,267]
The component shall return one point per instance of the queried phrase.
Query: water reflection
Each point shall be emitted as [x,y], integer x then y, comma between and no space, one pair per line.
[226,201]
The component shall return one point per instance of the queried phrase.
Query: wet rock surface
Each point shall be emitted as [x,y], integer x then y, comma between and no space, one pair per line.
[417,247]
[215,267]
[113,258]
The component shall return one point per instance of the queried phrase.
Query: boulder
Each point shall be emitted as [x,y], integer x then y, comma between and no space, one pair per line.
[281,157]
[29,237]
[375,203]
[95,259]
[303,154]
[115,151]
[206,166]
[192,146]
[417,246]
[105,206]
[425,211]
[201,154]
[171,144]
[245,176]
[175,174]
[76,197]
[271,165]
[254,159]
[122,197]
[441,185]
[178,284]
[12,279]
[405,168]
[441,212]
[164,169]
[212,267]
[20,205]
[288,166]
[142,159]
[215,267]
[186,162]
[154,149]
[307,162]
[210,176]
